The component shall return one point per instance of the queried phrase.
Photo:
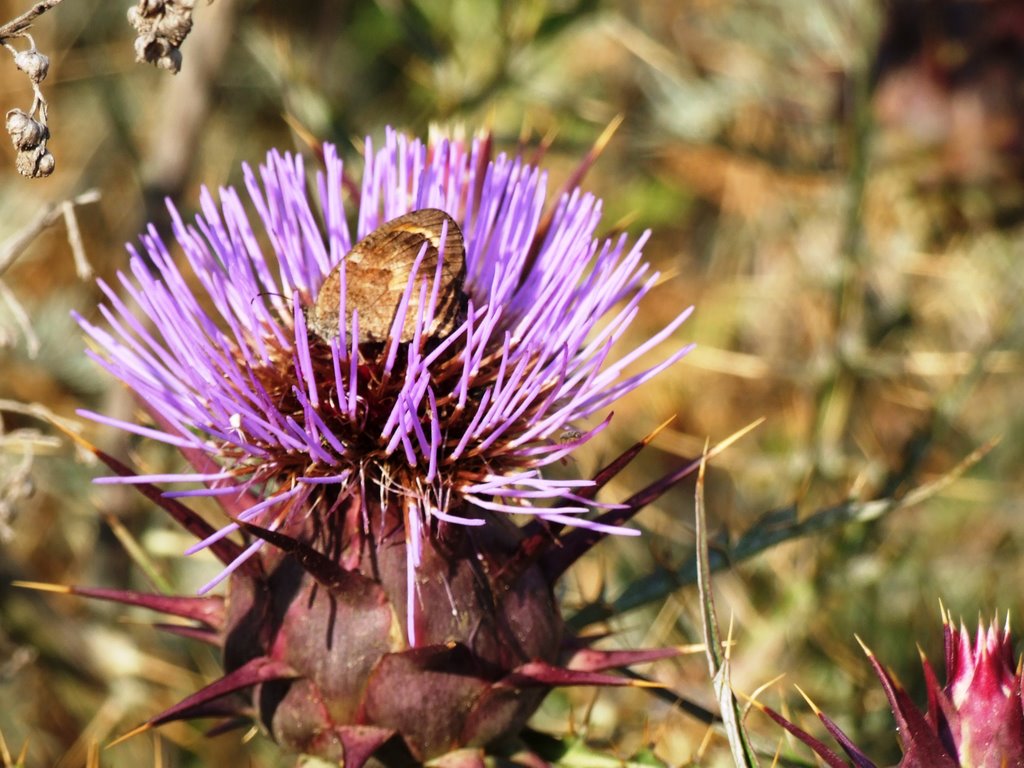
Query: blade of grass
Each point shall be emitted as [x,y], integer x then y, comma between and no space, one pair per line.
[717,657]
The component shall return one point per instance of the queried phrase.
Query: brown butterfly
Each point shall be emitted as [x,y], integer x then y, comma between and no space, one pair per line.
[377,272]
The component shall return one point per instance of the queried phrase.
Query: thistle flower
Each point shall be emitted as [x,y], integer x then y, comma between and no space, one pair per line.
[370,424]
[975,720]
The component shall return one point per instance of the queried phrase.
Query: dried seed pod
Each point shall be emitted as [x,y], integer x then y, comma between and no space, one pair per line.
[34,64]
[35,163]
[26,132]
[45,164]
[162,26]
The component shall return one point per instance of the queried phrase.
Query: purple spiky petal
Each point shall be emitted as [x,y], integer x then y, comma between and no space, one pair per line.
[472,419]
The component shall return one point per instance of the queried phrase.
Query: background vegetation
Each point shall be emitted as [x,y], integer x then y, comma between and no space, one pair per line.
[836,185]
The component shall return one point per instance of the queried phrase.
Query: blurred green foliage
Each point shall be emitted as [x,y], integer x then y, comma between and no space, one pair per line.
[846,222]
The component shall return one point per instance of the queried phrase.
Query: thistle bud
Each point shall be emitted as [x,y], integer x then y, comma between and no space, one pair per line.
[976,720]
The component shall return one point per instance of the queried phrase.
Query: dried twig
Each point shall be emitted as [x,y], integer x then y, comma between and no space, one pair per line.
[162,26]
[12,248]
[22,323]
[29,131]
[18,449]
[19,26]
[15,245]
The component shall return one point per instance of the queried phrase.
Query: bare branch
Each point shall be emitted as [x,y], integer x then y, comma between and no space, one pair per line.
[17,27]
[10,250]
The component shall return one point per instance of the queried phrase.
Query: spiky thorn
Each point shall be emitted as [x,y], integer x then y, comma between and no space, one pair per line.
[233,505]
[315,146]
[596,150]
[539,536]
[223,549]
[325,571]
[582,656]
[940,708]
[920,740]
[539,673]
[593,660]
[209,701]
[486,150]
[306,137]
[5,754]
[540,148]
[208,610]
[570,184]
[606,473]
[580,540]
[831,758]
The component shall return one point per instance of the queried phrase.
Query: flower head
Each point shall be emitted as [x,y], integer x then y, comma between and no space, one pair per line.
[445,427]
[369,409]
[976,720]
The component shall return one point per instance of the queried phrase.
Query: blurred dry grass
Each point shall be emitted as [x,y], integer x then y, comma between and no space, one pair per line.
[837,191]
